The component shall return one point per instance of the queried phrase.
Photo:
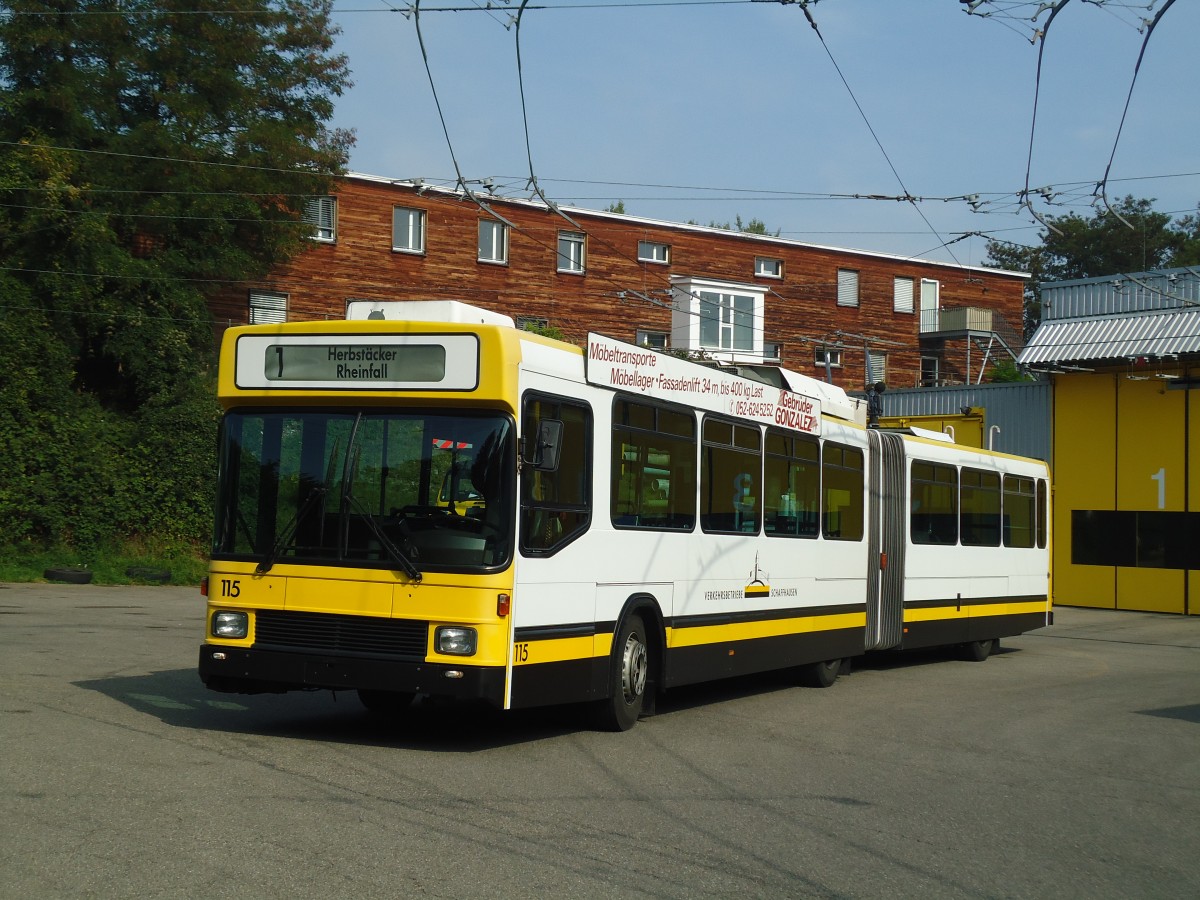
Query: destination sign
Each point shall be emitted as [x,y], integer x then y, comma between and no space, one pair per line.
[616,364]
[358,362]
[337,362]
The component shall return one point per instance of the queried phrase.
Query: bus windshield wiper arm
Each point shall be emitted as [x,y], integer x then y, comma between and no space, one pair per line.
[289,530]
[351,503]
[394,552]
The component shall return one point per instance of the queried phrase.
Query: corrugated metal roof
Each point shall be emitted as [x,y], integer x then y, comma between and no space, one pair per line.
[1121,294]
[1109,339]
[1020,409]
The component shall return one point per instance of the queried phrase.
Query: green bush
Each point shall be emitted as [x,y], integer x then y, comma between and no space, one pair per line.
[81,478]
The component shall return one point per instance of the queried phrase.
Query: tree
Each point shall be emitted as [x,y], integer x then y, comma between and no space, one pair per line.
[154,149]
[754,226]
[1131,238]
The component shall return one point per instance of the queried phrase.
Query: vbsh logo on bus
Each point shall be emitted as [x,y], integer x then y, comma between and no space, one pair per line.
[757,587]
[615,364]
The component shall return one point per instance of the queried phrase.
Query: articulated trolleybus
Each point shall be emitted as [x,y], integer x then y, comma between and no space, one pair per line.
[425,500]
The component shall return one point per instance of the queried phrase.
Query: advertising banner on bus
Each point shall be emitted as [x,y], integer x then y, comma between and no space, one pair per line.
[621,366]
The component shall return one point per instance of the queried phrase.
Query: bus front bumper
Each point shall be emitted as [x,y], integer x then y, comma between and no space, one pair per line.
[238,670]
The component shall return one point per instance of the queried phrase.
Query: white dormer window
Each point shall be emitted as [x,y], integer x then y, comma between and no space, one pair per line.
[721,319]
[726,321]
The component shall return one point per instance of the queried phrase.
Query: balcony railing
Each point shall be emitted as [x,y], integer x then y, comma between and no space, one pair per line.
[972,321]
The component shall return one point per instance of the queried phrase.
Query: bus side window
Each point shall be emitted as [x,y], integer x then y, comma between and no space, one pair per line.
[730,483]
[980,508]
[842,492]
[792,485]
[1020,502]
[1043,513]
[933,503]
[556,506]
[653,467]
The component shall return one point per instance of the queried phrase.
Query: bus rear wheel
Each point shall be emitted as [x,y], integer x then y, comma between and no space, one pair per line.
[978,651]
[820,674]
[628,678]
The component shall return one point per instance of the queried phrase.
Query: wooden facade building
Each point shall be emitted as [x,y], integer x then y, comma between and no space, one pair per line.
[726,294]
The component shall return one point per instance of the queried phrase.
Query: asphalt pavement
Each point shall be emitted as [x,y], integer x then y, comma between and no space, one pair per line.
[1064,766]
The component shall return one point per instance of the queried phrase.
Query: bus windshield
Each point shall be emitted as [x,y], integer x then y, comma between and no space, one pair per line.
[409,491]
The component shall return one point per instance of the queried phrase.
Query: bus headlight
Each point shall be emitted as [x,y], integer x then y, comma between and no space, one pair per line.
[230,624]
[454,640]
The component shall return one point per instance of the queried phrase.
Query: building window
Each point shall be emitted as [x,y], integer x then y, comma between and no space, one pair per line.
[656,340]
[723,319]
[929,371]
[828,356]
[651,251]
[847,287]
[876,367]
[321,213]
[766,267]
[902,295]
[772,350]
[571,251]
[532,323]
[726,321]
[408,230]
[493,241]
[267,307]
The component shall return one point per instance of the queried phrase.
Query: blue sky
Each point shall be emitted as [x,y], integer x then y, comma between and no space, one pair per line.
[709,111]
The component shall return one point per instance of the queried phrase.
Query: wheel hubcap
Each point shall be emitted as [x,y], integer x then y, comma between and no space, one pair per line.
[633,669]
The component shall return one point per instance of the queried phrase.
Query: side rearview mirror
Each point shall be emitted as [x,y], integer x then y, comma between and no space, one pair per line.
[547,449]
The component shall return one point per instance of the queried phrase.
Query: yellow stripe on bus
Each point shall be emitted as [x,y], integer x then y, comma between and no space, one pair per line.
[530,653]
[936,613]
[744,631]
[1009,609]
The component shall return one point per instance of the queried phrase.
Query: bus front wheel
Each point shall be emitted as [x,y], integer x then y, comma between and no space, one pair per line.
[628,678]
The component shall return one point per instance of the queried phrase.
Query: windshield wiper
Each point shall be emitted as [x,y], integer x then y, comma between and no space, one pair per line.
[349,501]
[289,530]
[394,552]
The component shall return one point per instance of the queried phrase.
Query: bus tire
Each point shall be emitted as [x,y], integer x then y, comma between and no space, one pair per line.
[977,651]
[385,703]
[628,678]
[820,674]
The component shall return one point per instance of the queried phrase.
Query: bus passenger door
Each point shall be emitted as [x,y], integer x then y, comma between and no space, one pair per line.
[556,569]
[887,497]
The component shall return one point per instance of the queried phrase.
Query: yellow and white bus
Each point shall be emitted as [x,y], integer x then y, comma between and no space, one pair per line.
[429,501]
